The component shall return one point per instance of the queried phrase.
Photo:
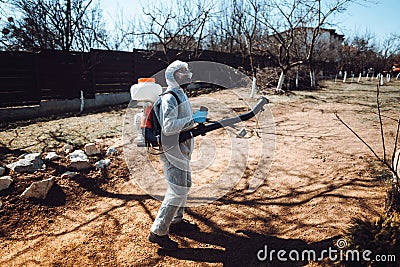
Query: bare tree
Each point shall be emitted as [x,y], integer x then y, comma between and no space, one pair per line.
[389,159]
[122,36]
[249,32]
[55,24]
[294,27]
[236,29]
[390,51]
[179,25]
[362,52]
[391,45]
[90,33]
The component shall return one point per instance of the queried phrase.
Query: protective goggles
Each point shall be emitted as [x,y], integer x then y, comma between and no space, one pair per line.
[184,74]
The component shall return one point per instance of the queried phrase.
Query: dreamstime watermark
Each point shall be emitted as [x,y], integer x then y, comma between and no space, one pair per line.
[339,253]
[221,159]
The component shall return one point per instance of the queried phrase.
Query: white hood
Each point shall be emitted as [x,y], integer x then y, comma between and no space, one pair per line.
[171,69]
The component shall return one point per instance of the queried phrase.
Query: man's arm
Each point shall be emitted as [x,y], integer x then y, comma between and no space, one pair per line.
[171,123]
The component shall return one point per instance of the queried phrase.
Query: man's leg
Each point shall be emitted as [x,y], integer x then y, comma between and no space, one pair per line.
[179,215]
[174,199]
[179,224]
[186,180]
[159,229]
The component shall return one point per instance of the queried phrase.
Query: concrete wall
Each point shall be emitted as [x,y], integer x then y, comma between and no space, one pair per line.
[54,107]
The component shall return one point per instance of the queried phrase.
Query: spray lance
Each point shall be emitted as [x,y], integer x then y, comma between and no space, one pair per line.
[202,128]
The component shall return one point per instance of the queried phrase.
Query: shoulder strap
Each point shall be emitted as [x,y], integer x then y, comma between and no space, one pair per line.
[174,94]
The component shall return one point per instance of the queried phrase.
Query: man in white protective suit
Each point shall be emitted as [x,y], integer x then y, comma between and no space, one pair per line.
[175,115]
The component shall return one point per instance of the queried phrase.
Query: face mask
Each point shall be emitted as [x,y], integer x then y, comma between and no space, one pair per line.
[184,75]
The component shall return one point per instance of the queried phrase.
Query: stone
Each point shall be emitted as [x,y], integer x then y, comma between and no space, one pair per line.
[101,164]
[2,171]
[242,132]
[30,163]
[22,155]
[91,149]
[5,182]
[111,150]
[79,160]
[68,148]
[39,189]
[69,175]
[52,156]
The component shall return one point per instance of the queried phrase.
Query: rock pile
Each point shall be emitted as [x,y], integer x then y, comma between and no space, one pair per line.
[78,160]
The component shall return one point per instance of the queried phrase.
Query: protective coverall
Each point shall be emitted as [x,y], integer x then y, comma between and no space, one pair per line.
[174,118]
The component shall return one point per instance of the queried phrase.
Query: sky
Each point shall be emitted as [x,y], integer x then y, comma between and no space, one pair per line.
[378,18]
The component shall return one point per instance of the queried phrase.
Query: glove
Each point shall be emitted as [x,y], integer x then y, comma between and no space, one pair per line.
[200,116]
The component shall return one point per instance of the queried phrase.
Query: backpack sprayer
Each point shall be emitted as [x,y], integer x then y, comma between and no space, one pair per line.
[149,129]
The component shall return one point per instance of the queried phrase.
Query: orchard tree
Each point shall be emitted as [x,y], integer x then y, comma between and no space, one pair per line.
[242,31]
[54,24]
[178,25]
[390,51]
[122,37]
[294,27]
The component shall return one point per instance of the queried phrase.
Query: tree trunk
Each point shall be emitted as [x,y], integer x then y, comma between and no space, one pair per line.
[312,79]
[280,82]
[68,33]
[253,87]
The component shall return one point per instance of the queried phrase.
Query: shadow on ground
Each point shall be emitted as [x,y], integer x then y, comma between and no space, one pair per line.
[248,248]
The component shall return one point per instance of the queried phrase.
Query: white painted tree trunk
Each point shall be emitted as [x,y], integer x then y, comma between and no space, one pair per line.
[398,75]
[280,82]
[345,77]
[388,77]
[366,78]
[359,78]
[297,78]
[82,102]
[312,78]
[381,80]
[253,87]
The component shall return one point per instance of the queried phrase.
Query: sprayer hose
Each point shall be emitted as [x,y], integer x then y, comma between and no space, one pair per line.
[202,129]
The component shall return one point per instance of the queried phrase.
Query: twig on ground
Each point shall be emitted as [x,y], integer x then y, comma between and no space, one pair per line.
[380,122]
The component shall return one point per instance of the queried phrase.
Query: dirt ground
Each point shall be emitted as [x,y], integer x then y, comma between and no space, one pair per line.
[321,176]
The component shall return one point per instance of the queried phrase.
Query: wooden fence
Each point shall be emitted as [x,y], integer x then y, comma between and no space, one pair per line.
[28,78]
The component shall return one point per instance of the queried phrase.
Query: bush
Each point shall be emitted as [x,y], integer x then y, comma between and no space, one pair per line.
[393,199]
[381,237]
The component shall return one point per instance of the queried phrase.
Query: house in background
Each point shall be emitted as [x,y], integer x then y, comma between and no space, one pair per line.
[327,43]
